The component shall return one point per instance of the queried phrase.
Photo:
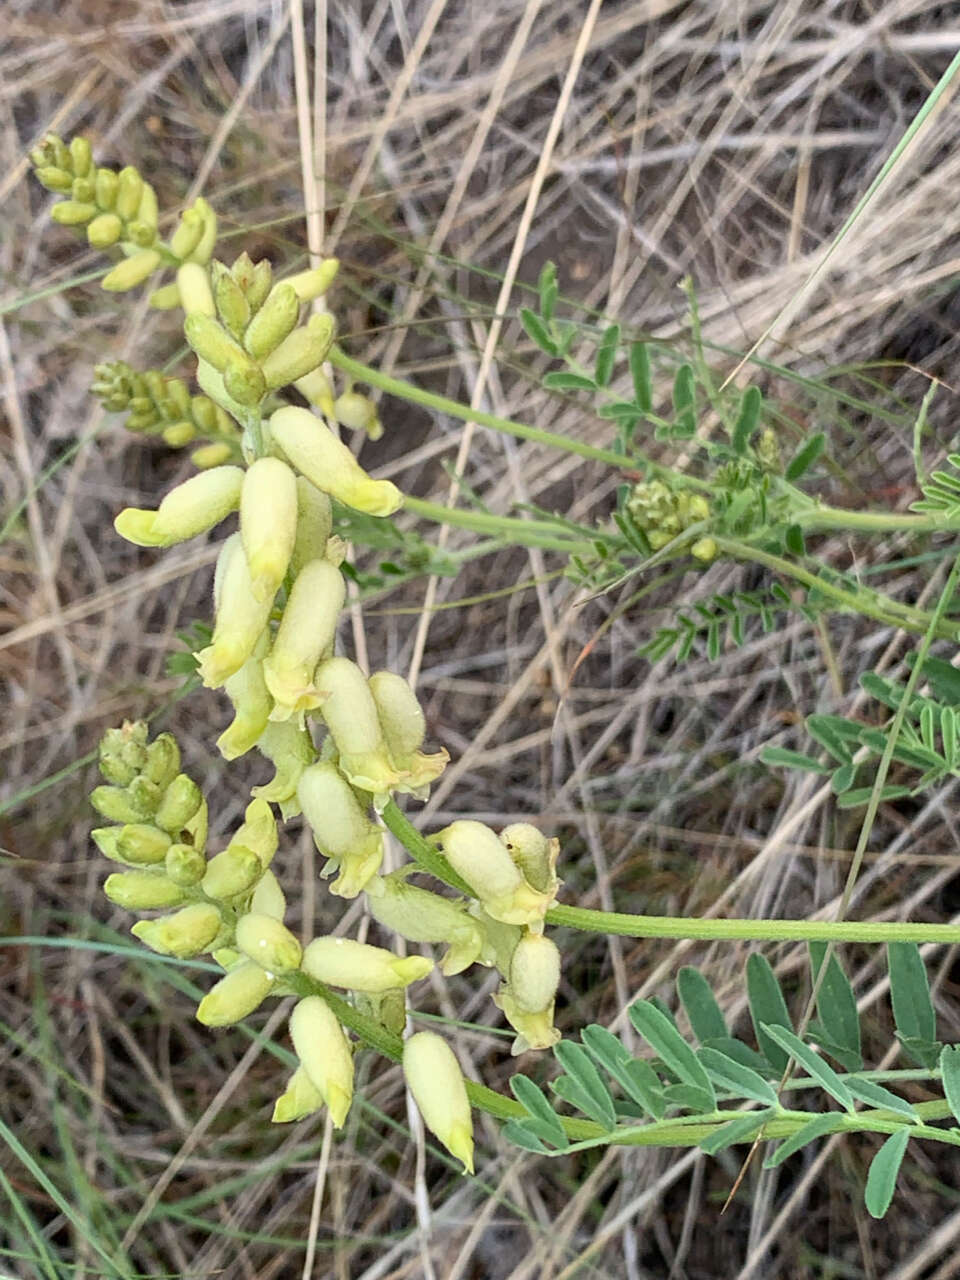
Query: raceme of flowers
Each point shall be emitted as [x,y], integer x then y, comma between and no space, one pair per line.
[342,744]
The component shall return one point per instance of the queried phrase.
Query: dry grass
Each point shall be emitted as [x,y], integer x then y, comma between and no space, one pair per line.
[466,144]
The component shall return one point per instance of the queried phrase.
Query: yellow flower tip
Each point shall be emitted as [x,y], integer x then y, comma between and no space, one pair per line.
[136,525]
[338,1104]
[460,1145]
[219,661]
[300,1098]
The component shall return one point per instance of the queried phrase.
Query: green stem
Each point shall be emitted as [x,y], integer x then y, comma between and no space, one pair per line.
[824,518]
[441,404]
[884,610]
[529,533]
[680,927]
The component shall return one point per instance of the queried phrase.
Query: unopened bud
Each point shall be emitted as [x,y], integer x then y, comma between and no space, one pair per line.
[342,962]
[81,156]
[232,305]
[123,752]
[324,1054]
[302,350]
[268,942]
[359,413]
[327,463]
[73,213]
[211,455]
[230,873]
[131,272]
[184,864]
[143,890]
[163,760]
[433,1076]
[273,322]
[180,801]
[142,844]
[129,191]
[235,996]
[116,804]
[187,932]
[187,235]
[193,289]
[105,189]
[166,298]
[104,231]
[212,343]
[204,249]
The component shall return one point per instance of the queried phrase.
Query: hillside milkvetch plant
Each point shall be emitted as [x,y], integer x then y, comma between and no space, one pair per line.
[343,745]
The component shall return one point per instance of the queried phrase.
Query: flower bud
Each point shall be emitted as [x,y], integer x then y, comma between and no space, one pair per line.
[142,844]
[258,831]
[476,853]
[141,234]
[534,854]
[359,413]
[104,231]
[299,1099]
[193,290]
[267,898]
[187,235]
[252,705]
[290,749]
[315,387]
[81,156]
[195,828]
[240,617]
[314,526]
[187,932]
[350,714]
[261,278]
[163,760]
[302,350]
[52,178]
[210,455]
[243,381]
[129,191]
[342,962]
[704,550]
[105,189]
[268,942]
[204,250]
[327,463]
[421,916]
[131,272]
[106,839]
[268,523]
[230,873]
[273,322]
[341,829]
[117,805]
[315,282]
[145,794]
[212,343]
[81,189]
[306,632]
[123,752]
[324,1054]
[73,213]
[180,801]
[235,996]
[188,510]
[184,864]
[166,298]
[433,1076]
[527,999]
[143,890]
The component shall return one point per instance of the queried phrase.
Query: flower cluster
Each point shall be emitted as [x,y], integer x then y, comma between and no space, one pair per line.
[157,405]
[663,513]
[342,744]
